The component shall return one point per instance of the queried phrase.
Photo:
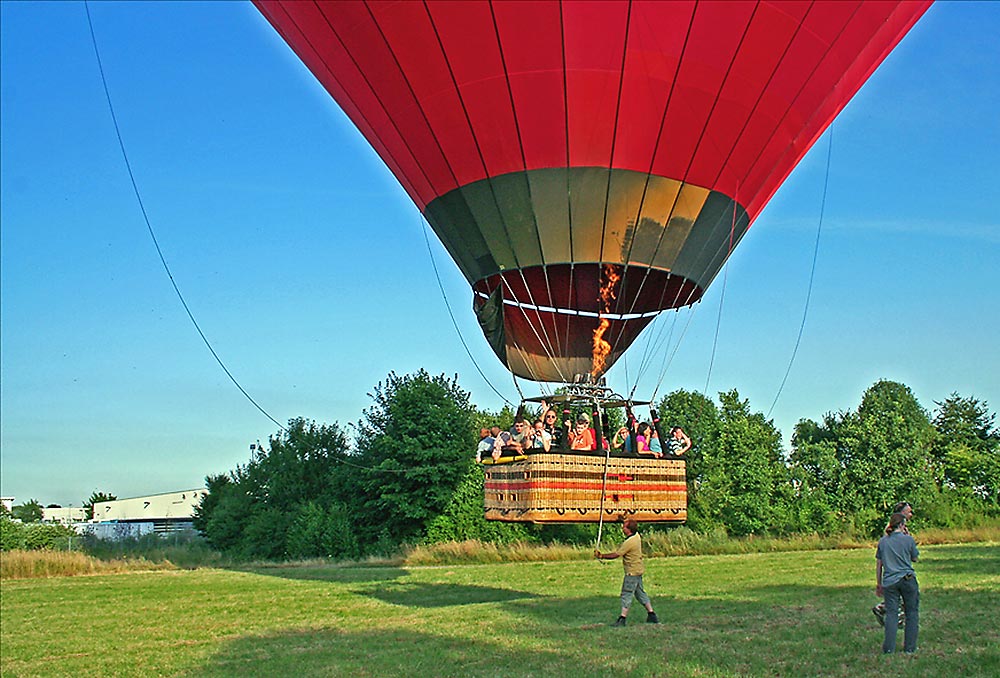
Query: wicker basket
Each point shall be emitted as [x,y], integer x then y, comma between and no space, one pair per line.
[564,487]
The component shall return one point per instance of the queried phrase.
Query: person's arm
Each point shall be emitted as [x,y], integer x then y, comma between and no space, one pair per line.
[606,556]
[878,577]
[687,443]
[619,438]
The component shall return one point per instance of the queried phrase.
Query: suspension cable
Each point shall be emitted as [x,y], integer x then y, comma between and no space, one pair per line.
[812,273]
[152,234]
[447,305]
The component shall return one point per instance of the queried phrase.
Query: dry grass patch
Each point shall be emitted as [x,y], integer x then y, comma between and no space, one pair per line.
[41,564]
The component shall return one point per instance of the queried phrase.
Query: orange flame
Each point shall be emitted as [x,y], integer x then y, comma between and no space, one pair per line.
[602,348]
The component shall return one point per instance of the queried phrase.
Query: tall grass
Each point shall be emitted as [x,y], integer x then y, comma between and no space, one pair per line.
[40,564]
[675,542]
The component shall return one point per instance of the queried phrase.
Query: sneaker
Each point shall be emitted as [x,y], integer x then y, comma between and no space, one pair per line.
[879,612]
[651,618]
[620,622]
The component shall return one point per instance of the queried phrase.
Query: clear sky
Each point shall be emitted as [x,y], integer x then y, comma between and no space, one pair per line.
[306,265]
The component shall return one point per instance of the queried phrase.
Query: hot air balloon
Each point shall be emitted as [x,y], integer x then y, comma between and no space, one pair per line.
[561,149]
[589,164]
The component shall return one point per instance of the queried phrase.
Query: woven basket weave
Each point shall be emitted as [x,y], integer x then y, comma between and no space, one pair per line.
[557,487]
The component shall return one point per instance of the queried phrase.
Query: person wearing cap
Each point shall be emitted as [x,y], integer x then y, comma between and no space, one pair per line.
[581,437]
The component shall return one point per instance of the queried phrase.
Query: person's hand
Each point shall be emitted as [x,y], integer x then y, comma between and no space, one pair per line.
[878,590]
[597,554]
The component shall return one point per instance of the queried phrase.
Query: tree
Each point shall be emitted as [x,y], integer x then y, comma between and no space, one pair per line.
[96,498]
[699,417]
[967,447]
[413,447]
[251,511]
[866,461]
[745,483]
[29,512]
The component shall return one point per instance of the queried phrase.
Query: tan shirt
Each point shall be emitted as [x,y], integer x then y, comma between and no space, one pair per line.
[631,555]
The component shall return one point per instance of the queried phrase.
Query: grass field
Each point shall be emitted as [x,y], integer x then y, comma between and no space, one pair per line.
[768,614]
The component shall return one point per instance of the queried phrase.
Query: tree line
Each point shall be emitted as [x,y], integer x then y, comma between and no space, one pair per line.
[405,473]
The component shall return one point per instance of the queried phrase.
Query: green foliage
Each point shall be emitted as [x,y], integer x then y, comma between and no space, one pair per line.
[410,478]
[745,485]
[11,534]
[252,512]
[28,512]
[413,447]
[967,447]
[863,462]
[463,519]
[34,536]
[318,531]
[699,417]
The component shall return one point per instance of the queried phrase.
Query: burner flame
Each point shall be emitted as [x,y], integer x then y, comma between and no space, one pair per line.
[602,348]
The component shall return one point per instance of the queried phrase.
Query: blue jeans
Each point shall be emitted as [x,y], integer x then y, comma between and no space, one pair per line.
[907,589]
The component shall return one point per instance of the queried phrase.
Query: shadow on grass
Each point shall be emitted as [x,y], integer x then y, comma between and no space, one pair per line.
[762,631]
[442,595]
[330,573]
[389,652]
[959,560]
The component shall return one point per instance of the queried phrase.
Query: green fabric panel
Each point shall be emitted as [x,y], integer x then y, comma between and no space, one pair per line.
[489,312]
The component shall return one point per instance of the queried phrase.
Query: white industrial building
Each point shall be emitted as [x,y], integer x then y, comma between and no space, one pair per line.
[66,516]
[157,513]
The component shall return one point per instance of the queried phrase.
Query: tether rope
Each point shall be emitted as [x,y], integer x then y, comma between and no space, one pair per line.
[812,274]
[152,234]
[722,295]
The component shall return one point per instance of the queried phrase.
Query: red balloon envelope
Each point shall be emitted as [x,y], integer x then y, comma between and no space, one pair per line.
[589,164]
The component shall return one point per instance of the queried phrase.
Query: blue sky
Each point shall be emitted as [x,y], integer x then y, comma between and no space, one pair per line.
[306,265]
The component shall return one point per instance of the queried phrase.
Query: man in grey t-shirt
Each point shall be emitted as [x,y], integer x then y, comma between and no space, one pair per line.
[895,579]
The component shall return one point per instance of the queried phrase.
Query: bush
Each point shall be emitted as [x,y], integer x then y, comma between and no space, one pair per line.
[11,534]
[34,536]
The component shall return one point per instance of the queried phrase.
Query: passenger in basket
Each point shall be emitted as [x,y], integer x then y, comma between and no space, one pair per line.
[522,434]
[542,440]
[654,442]
[642,439]
[678,442]
[581,437]
[485,443]
[550,420]
[622,440]
[501,440]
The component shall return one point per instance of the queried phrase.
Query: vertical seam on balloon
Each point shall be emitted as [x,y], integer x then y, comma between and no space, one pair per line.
[833,42]
[760,96]
[790,107]
[358,108]
[614,136]
[570,286]
[611,164]
[711,262]
[489,181]
[652,160]
[524,163]
[701,138]
[452,250]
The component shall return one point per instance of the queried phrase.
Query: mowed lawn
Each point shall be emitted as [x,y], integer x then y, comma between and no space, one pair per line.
[775,614]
